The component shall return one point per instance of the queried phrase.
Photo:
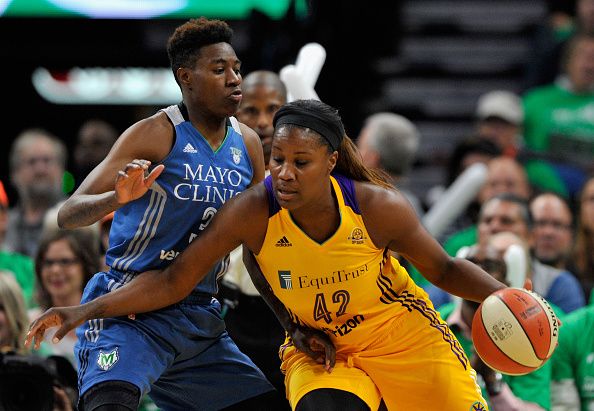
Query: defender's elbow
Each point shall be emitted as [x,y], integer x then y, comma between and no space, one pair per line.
[63,222]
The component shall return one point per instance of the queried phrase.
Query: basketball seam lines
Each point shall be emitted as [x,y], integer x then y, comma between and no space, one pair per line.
[501,351]
[523,329]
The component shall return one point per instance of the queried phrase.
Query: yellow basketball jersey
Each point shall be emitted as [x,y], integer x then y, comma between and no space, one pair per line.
[345,286]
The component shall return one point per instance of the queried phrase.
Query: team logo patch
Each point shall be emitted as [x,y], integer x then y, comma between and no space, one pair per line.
[283,242]
[285,280]
[107,360]
[236,153]
[478,406]
[357,236]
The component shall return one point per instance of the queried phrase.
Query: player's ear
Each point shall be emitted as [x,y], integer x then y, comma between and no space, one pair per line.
[183,76]
[332,161]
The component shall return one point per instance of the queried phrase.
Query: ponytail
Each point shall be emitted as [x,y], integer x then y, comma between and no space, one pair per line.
[351,165]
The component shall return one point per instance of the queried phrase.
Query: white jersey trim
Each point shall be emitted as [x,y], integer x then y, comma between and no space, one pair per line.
[235,125]
[174,114]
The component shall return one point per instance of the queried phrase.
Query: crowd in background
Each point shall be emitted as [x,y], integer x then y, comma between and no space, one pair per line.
[538,148]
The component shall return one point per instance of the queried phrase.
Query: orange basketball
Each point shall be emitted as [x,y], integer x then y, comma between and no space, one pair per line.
[515,331]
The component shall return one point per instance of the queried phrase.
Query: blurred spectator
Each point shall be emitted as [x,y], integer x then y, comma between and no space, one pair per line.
[583,252]
[505,175]
[37,162]
[470,151]
[559,123]
[467,152]
[26,381]
[503,393]
[263,94]
[552,236]
[95,139]
[572,388]
[20,266]
[390,142]
[13,315]
[551,39]
[500,117]
[65,262]
[507,212]
[510,213]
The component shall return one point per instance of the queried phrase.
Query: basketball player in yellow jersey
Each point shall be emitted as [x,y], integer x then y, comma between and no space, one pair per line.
[322,228]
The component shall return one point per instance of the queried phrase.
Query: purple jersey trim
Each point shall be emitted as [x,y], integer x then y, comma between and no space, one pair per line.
[273,206]
[348,192]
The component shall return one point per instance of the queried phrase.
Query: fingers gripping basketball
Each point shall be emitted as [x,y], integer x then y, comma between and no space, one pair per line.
[515,331]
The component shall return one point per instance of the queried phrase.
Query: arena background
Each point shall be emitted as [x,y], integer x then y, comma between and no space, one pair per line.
[426,59]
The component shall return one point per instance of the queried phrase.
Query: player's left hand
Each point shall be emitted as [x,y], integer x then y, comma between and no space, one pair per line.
[67,318]
[316,345]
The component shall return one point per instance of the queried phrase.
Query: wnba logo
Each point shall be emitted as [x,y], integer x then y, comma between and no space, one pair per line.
[285,280]
[357,236]
[478,406]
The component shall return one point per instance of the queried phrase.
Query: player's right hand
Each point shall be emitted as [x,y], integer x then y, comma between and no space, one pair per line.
[66,318]
[315,344]
[134,180]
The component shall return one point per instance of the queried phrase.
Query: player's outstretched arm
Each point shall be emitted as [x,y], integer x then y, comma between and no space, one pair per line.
[312,342]
[392,223]
[153,290]
[122,176]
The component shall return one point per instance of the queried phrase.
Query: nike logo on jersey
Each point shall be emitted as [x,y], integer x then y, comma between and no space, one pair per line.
[284,242]
[189,149]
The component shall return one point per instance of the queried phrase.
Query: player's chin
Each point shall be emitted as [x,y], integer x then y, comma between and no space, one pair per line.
[231,104]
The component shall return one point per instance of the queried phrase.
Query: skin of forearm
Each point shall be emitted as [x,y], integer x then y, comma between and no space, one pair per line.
[275,305]
[464,279]
[266,292]
[86,209]
[149,291]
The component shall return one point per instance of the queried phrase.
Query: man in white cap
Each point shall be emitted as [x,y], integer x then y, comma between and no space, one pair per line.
[500,117]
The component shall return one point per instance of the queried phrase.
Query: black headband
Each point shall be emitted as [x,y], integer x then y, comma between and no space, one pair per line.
[299,116]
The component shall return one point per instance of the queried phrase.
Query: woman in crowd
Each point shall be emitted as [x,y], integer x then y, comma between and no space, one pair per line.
[13,315]
[65,261]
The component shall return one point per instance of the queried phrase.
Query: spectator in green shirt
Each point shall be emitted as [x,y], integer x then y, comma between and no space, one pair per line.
[559,123]
[572,387]
[19,265]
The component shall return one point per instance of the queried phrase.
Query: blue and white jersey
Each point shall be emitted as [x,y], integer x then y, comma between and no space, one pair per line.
[150,232]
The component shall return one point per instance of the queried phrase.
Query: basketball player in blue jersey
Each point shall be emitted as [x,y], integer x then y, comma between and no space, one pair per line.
[322,228]
[174,171]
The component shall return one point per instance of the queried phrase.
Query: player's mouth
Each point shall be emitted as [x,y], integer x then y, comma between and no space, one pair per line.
[283,194]
[236,96]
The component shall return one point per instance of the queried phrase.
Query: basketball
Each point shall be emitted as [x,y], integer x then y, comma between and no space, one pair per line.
[515,331]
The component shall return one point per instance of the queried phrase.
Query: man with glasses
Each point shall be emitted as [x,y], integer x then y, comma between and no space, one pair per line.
[552,234]
[37,161]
